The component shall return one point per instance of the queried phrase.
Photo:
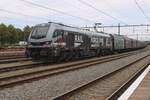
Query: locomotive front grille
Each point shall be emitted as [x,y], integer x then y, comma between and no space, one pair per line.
[37,43]
[44,52]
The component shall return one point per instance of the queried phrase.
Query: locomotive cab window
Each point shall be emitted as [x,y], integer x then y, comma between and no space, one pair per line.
[58,33]
[39,32]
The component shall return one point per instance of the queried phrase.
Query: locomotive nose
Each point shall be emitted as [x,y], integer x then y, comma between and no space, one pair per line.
[47,43]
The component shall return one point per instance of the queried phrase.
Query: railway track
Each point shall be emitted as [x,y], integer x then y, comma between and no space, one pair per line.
[113,96]
[27,73]
[11,60]
[25,65]
[11,57]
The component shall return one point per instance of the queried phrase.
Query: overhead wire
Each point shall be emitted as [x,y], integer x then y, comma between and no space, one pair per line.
[113,9]
[58,11]
[100,11]
[142,11]
[21,14]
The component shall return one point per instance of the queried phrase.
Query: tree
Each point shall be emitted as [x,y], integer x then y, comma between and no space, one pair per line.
[13,34]
[10,35]
[3,34]
[26,31]
[19,34]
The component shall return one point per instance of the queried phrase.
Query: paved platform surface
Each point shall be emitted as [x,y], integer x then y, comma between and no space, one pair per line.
[142,92]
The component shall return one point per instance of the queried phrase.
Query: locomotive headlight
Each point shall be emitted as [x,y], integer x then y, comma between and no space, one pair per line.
[47,43]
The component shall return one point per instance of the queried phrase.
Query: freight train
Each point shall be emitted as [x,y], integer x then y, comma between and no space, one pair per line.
[56,41]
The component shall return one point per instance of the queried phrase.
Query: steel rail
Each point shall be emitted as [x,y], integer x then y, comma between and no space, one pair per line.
[20,76]
[115,95]
[14,60]
[11,57]
[19,67]
[77,89]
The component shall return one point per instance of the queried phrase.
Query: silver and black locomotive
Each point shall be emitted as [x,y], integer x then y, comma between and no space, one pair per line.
[56,41]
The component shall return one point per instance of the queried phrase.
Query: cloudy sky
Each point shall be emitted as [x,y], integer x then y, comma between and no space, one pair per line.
[73,12]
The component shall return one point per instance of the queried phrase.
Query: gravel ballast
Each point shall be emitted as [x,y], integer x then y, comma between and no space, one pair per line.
[104,88]
[47,88]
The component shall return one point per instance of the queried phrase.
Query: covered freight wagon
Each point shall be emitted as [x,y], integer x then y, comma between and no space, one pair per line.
[118,42]
[127,43]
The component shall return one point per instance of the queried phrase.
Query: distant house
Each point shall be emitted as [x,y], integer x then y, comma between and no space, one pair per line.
[22,43]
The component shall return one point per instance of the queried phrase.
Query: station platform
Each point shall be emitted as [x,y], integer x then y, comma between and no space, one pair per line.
[140,89]
[142,92]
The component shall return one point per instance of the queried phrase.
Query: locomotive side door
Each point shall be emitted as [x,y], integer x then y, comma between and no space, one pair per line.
[85,41]
[70,40]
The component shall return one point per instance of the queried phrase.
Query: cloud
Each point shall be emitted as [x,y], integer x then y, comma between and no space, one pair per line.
[124,10]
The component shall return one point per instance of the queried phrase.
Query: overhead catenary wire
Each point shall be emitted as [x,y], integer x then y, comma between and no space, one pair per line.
[111,7]
[58,11]
[142,11]
[21,14]
[100,11]
[24,15]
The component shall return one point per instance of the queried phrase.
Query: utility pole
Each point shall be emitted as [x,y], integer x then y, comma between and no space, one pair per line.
[133,29]
[103,29]
[147,29]
[119,29]
[96,25]
[137,36]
